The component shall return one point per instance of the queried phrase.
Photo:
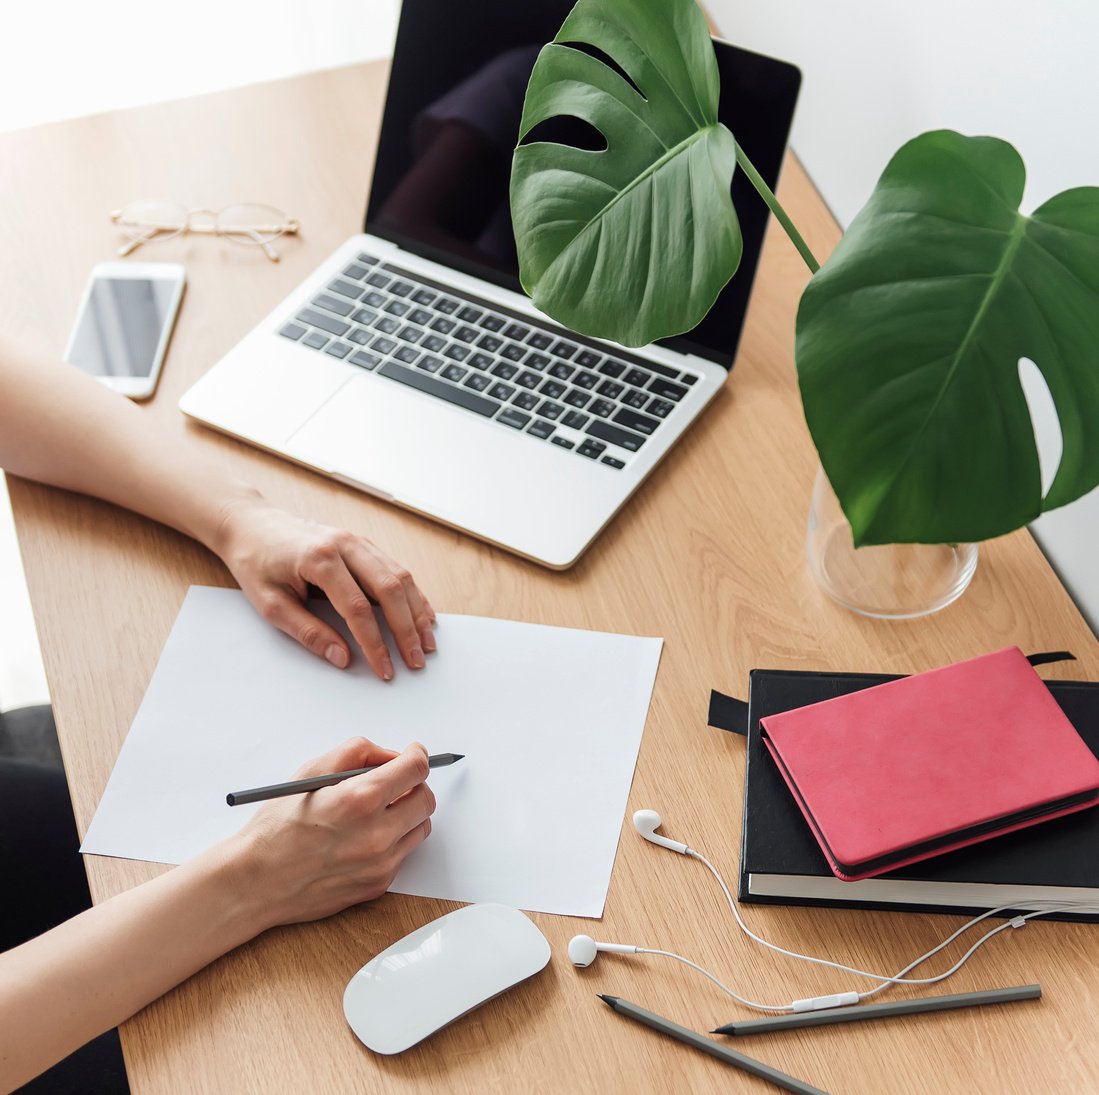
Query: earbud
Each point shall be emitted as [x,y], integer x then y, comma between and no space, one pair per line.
[646,822]
[583,949]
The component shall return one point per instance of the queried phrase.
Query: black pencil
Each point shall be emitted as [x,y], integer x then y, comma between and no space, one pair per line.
[315,783]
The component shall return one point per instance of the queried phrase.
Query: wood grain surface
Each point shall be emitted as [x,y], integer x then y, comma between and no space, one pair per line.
[709,554]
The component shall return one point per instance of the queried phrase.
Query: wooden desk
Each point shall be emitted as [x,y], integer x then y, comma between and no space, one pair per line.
[710,555]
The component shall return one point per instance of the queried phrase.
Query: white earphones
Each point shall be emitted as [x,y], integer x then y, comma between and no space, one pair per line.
[583,950]
[646,822]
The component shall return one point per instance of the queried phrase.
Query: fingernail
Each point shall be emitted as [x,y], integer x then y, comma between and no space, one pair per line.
[387,669]
[418,660]
[336,655]
[429,642]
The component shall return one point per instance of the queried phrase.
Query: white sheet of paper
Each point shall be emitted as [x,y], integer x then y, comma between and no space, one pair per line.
[549,719]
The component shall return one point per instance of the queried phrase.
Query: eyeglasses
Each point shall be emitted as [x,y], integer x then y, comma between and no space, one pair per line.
[250,225]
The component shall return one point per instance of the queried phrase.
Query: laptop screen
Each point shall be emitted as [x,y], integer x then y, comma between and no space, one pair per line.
[455,97]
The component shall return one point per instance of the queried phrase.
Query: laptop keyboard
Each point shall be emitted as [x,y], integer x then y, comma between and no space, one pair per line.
[489,361]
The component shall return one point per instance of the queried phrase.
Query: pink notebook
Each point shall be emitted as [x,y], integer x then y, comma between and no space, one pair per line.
[916,767]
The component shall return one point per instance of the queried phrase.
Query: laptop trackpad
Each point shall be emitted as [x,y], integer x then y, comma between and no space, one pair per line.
[451,463]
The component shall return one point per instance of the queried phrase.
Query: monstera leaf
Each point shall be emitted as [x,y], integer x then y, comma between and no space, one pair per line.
[909,341]
[603,234]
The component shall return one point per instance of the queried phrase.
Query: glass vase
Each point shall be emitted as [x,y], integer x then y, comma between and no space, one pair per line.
[889,581]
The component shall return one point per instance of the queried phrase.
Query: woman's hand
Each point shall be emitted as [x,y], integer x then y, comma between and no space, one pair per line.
[308,856]
[275,556]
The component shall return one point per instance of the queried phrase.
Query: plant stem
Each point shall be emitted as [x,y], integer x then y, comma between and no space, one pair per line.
[780,213]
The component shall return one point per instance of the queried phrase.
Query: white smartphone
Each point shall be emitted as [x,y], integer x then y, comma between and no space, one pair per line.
[124,323]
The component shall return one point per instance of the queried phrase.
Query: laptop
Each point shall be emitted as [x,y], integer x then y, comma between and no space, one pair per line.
[411,366]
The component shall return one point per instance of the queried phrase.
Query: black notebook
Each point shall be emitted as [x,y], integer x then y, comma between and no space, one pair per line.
[781,861]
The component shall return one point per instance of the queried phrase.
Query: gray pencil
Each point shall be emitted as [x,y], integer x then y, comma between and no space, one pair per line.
[315,783]
[881,1011]
[707,1045]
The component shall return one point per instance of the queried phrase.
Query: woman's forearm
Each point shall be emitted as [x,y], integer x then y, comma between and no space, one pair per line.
[61,427]
[90,974]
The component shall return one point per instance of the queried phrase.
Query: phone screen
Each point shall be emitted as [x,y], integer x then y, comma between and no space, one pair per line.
[120,329]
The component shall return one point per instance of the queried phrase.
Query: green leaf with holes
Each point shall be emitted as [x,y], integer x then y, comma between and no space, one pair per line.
[603,236]
[909,340]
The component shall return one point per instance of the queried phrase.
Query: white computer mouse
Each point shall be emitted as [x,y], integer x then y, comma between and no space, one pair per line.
[439,972]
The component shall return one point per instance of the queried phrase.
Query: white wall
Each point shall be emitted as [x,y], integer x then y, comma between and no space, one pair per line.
[878,73]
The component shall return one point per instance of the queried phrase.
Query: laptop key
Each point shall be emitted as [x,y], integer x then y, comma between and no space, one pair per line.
[540,428]
[660,407]
[513,352]
[396,307]
[364,315]
[586,380]
[330,324]
[688,379]
[374,299]
[356,271]
[407,354]
[432,385]
[434,343]
[637,378]
[443,326]
[634,398]
[667,390]
[379,280]
[423,296]
[564,442]
[511,417]
[591,449]
[410,334]
[339,349]
[481,361]
[577,398]
[588,360]
[447,305]
[602,407]
[401,288]
[314,340]
[610,367]
[563,349]
[610,388]
[616,435]
[365,259]
[552,390]
[540,340]
[575,420]
[383,344]
[430,364]
[613,461]
[453,372]
[528,380]
[634,421]
[536,361]
[360,335]
[525,400]
[364,360]
[419,315]
[478,381]
[469,314]
[501,391]
[490,343]
[505,371]
[387,325]
[517,331]
[465,334]
[334,304]
[292,331]
[456,352]
[492,323]
[551,410]
[561,371]
[345,288]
